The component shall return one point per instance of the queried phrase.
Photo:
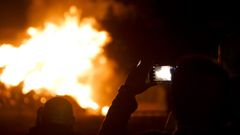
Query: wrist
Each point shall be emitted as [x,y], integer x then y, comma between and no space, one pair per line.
[127,90]
[125,99]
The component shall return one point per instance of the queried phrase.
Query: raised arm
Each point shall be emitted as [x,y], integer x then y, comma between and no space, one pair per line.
[125,103]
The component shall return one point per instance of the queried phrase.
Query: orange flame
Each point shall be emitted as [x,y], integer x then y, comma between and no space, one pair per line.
[59,59]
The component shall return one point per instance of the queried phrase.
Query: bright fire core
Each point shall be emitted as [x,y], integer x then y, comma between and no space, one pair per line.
[59,59]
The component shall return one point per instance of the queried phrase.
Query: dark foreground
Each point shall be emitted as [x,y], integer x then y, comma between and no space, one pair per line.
[18,123]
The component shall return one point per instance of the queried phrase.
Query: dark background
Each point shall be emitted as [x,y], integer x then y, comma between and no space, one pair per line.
[158,29]
[166,30]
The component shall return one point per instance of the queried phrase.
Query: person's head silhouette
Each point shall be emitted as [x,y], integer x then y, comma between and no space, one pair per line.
[55,117]
[198,88]
[57,111]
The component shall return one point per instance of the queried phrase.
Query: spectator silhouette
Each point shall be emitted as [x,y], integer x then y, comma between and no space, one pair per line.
[55,118]
[197,97]
[231,61]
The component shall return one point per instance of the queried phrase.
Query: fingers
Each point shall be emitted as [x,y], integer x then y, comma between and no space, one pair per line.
[136,79]
[139,62]
[143,70]
[144,67]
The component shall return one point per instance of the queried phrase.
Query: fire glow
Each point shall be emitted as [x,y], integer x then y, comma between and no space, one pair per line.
[59,59]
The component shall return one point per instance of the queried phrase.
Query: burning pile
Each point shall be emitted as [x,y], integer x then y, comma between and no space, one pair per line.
[58,60]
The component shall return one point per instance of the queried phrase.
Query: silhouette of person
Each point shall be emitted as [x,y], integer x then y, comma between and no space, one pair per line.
[230,54]
[125,103]
[197,97]
[198,93]
[55,117]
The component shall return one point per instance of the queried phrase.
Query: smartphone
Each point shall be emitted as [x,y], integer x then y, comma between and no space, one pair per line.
[161,73]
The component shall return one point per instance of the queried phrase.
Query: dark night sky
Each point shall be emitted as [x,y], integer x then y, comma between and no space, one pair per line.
[159,29]
[165,30]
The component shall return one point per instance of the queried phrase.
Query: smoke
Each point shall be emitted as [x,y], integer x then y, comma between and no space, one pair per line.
[52,10]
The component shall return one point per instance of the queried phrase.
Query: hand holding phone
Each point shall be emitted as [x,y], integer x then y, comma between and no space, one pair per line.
[136,80]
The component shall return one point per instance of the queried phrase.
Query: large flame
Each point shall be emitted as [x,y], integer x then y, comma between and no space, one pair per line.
[58,59]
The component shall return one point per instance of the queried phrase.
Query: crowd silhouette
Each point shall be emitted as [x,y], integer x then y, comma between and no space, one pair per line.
[201,100]
[198,98]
